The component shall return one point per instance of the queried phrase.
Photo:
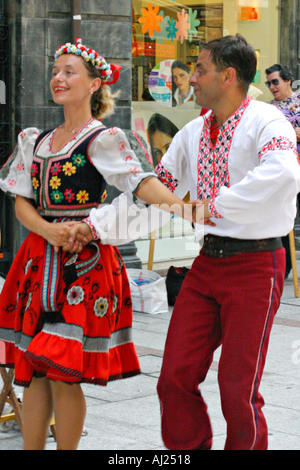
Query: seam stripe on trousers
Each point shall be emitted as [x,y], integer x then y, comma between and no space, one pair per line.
[254,385]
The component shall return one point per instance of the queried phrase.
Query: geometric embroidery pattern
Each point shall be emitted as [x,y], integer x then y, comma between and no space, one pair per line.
[166,177]
[280,143]
[213,158]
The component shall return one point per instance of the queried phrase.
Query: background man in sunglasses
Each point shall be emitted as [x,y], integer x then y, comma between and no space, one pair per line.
[279,81]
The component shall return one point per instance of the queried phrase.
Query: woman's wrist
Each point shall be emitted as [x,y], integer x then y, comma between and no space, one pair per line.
[94,235]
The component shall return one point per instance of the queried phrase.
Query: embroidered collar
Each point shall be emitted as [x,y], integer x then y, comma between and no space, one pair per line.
[209,119]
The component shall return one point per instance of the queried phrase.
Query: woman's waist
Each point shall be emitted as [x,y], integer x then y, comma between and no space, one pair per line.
[63,216]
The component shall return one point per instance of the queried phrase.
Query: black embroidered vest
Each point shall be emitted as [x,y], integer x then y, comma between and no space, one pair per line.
[67,183]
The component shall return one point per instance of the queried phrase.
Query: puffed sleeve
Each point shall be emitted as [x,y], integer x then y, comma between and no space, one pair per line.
[113,157]
[15,177]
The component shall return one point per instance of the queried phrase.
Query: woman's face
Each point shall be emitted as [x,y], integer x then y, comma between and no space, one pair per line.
[160,142]
[181,79]
[281,90]
[70,82]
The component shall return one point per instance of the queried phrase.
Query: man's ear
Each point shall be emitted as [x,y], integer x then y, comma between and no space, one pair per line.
[229,76]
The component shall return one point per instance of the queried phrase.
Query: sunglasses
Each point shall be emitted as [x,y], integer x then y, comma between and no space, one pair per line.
[274,82]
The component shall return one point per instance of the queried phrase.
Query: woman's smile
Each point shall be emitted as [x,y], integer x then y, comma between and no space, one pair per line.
[60,89]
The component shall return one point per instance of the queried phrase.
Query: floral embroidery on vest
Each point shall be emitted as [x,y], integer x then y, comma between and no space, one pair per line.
[67,181]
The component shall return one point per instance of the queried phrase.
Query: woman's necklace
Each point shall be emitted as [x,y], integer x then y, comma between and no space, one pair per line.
[76,130]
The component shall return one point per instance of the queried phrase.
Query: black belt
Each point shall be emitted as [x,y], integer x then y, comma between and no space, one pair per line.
[222,247]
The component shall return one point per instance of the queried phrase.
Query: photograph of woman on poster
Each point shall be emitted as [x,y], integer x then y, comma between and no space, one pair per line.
[182,90]
[160,134]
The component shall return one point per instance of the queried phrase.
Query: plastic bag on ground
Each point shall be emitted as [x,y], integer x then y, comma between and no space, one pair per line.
[148,291]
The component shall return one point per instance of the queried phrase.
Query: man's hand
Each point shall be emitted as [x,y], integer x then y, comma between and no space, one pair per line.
[201,214]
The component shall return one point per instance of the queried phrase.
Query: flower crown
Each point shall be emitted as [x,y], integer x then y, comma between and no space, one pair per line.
[109,72]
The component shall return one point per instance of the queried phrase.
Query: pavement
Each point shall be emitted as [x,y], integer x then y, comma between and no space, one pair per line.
[125,415]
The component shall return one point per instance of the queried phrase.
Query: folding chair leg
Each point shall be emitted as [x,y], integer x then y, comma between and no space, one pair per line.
[151,250]
[52,428]
[293,261]
[8,394]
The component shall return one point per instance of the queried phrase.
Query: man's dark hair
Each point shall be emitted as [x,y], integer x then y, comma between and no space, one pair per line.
[284,72]
[234,51]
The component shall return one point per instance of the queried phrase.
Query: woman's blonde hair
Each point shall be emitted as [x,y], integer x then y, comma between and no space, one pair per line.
[103,100]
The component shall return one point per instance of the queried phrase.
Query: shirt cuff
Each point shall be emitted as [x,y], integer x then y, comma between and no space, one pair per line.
[212,209]
[93,229]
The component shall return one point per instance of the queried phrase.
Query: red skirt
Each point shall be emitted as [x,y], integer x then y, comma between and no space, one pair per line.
[66,317]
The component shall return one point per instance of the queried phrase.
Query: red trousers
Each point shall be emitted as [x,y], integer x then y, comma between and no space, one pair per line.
[230,302]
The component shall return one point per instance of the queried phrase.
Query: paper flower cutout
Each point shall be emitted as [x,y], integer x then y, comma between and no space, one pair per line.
[171,29]
[182,25]
[163,26]
[150,20]
[193,24]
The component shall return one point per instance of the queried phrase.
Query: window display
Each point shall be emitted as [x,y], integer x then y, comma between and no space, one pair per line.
[166,39]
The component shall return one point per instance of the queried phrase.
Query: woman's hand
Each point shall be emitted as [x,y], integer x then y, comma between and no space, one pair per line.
[297,130]
[80,235]
[60,235]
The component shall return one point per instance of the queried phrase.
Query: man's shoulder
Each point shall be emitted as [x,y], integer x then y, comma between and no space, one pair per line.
[261,112]
[265,107]
[196,123]
[267,121]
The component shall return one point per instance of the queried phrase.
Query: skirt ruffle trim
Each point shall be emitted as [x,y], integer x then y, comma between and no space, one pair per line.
[93,381]
[46,356]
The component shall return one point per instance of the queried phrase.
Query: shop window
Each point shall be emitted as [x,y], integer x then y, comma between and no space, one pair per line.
[166,38]
[165,47]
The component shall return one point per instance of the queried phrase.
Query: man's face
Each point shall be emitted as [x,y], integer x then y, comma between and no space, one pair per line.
[206,81]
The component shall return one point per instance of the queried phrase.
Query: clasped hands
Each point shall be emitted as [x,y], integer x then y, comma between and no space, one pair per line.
[73,236]
[69,236]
